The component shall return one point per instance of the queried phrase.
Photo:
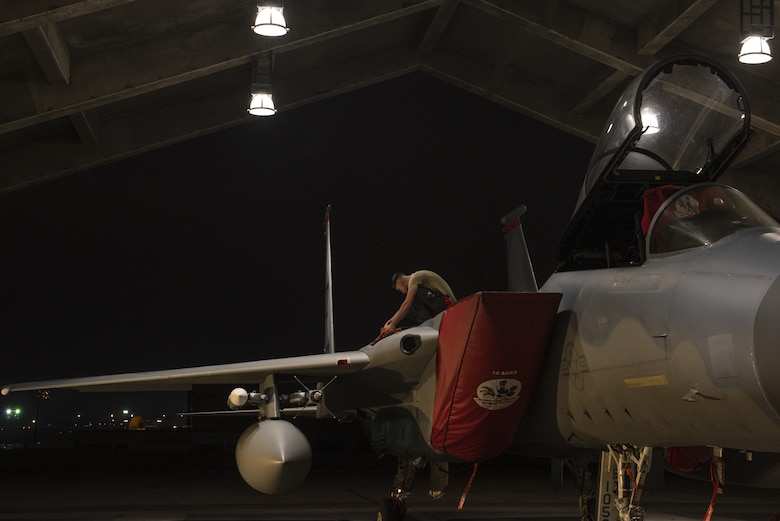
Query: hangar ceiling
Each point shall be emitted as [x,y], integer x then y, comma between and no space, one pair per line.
[84,83]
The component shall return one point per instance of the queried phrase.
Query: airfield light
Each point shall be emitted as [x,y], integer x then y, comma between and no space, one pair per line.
[757,27]
[270,20]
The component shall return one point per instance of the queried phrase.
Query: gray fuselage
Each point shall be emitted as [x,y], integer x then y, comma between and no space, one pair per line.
[682,350]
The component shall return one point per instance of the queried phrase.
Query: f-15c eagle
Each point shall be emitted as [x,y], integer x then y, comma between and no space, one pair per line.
[659,328]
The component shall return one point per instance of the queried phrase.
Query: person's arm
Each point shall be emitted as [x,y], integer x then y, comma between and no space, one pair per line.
[404,309]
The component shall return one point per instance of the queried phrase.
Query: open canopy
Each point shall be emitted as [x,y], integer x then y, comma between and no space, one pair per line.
[680,122]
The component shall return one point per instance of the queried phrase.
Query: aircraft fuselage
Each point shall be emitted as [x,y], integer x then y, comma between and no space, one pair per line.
[682,350]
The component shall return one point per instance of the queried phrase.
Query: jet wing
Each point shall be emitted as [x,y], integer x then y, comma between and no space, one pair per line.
[326,365]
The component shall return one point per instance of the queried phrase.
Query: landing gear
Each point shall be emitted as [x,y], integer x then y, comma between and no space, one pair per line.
[585,472]
[394,507]
[391,509]
[621,479]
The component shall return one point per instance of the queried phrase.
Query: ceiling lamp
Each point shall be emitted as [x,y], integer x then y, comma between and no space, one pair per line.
[262,102]
[757,26]
[755,50]
[270,20]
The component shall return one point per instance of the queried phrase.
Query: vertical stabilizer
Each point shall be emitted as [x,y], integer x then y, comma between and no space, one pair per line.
[520,271]
[330,346]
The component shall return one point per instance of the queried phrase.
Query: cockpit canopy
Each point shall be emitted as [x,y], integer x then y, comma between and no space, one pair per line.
[680,122]
[698,216]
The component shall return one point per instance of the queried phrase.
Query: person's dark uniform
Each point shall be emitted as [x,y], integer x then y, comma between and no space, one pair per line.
[427,304]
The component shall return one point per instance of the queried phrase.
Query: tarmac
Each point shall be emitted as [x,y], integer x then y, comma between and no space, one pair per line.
[127,485]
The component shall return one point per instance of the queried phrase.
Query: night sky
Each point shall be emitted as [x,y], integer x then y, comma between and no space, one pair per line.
[212,251]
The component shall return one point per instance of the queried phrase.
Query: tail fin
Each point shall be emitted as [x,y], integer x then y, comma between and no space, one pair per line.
[330,346]
[520,271]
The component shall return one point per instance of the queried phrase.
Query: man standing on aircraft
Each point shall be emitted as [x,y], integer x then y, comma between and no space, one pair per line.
[427,294]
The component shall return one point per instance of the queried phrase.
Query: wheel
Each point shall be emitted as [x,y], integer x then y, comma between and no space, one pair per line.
[391,509]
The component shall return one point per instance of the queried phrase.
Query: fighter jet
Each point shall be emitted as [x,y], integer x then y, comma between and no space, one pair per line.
[657,329]
[451,389]
[667,331]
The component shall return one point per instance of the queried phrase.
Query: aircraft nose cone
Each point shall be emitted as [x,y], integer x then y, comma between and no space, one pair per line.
[767,345]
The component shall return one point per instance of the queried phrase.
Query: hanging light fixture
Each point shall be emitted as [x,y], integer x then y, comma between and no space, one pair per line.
[270,20]
[754,50]
[261,102]
[757,27]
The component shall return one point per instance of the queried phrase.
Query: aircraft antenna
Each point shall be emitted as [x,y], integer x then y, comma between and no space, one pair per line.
[330,346]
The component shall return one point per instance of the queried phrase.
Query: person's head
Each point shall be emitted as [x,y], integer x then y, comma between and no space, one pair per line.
[401,282]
